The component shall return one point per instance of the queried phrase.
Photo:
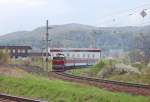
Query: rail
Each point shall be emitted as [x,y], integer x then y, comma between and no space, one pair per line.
[9,98]
[106,81]
[118,86]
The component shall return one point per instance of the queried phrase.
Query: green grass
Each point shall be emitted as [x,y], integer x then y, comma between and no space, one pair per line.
[96,68]
[79,71]
[92,70]
[60,91]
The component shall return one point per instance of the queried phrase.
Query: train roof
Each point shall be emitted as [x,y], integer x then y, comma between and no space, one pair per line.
[74,50]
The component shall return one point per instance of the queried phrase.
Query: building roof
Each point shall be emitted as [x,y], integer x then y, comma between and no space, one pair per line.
[74,50]
[37,54]
[14,47]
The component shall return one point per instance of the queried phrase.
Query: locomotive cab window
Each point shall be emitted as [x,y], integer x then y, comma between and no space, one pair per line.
[58,58]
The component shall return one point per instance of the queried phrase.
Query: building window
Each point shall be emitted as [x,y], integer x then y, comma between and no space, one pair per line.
[29,51]
[19,51]
[14,50]
[88,55]
[73,55]
[68,54]
[83,55]
[23,51]
[78,55]
[93,55]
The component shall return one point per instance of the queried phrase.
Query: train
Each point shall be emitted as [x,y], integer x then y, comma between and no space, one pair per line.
[69,58]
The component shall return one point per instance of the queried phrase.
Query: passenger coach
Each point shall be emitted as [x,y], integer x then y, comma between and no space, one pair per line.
[67,58]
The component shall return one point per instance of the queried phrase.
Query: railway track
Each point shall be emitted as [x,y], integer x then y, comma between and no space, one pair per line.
[117,86]
[8,98]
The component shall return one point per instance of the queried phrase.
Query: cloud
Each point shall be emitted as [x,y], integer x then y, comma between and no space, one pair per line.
[49,6]
[22,2]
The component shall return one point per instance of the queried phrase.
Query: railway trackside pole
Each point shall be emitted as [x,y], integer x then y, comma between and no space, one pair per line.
[47,34]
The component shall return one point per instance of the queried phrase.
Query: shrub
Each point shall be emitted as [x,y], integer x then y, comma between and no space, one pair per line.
[148,65]
[105,72]
[122,68]
[96,68]
[101,65]
[117,69]
[139,65]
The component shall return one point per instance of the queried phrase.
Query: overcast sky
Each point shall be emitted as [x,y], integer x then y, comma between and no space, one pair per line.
[16,15]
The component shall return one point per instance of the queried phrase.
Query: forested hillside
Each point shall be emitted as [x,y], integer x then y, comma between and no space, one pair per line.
[77,35]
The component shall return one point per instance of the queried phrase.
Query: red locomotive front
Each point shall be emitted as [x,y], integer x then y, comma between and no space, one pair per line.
[58,63]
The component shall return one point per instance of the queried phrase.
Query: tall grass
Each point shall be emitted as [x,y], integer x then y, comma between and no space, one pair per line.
[33,62]
[4,57]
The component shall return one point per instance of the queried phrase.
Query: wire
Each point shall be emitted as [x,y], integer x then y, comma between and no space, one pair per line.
[125,11]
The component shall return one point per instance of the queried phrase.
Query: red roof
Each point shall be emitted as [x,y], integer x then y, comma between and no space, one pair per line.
[74,50]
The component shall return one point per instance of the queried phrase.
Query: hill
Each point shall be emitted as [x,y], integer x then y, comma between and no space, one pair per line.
[77,35]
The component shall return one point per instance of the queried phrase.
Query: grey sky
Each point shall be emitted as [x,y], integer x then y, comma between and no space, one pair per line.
[28,14]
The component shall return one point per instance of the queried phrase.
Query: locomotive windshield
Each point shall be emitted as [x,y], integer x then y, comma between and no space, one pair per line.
[58,58]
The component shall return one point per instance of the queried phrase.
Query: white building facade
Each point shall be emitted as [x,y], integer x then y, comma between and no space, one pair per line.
[82,53]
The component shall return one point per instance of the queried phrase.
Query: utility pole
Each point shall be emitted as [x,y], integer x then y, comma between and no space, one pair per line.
[47,34]
[43,58]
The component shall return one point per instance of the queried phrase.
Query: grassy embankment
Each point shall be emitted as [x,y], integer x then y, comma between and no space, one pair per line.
[37,87]
[59,91]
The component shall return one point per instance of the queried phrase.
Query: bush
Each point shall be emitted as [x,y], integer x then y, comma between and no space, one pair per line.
[105,72]
[26,62]
[139,65]
[101,66]
[96,68]
[148,65]
[117,69]
[122,68]
[4,57]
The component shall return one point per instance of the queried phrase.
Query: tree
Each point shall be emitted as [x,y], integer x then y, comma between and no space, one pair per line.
[142,42]
[135,56]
